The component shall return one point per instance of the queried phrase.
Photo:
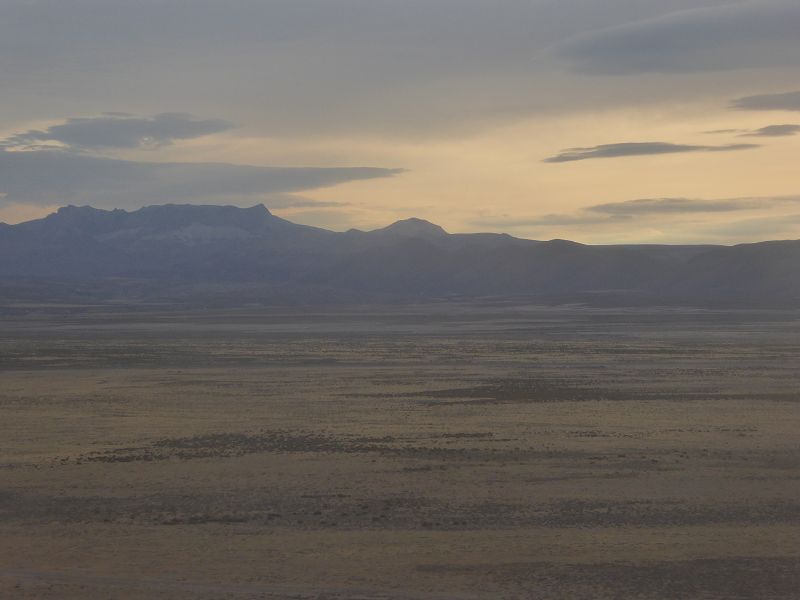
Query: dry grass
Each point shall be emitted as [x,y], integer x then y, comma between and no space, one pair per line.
[447,451]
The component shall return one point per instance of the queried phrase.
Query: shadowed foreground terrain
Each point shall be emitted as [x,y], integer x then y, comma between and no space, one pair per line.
[437,451]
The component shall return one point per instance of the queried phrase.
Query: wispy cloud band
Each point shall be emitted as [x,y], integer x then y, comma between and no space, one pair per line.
[788,101]
[638,149]
[52,177]
[118,131]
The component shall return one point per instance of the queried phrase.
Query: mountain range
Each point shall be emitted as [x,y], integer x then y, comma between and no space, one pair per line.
[231,255]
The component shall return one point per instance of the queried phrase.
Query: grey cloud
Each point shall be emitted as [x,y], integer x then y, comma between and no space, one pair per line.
[638,149]
[310,67]
[781,227]
[668,212]
[782,130]
[719,131]
[774,131]
[280,201]
[52,177]
[651,206]
[120,130]
[627,211]
[789,101]
[755,34]
[549,220]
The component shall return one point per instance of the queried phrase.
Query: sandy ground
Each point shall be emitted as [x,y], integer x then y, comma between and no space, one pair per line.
[445,451]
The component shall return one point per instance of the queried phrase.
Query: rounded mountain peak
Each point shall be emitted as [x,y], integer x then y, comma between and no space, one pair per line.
[414,227]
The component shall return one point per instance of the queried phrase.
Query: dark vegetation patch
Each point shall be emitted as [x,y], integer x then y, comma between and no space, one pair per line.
[512,391]
[232,445]
[737,578]
[225,445]
[540,391]
[265,508]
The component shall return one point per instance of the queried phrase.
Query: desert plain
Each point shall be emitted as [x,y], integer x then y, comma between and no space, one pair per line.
[435,451]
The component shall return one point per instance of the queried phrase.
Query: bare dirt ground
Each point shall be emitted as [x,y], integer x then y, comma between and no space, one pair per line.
[433,452]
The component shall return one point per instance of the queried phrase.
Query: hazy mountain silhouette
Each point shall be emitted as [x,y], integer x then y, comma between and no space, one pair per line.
[232,255]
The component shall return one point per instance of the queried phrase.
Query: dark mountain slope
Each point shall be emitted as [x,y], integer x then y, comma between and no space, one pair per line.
[161,251]
[766,273]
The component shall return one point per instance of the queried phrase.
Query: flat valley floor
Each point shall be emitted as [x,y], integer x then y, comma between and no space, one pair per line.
[455,451]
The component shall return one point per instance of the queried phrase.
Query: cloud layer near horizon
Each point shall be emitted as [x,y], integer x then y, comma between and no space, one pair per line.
[638,149]
[606,218]
[661,206]
[53,177]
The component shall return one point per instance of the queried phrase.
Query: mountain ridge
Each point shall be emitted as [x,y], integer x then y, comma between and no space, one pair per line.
[195,248]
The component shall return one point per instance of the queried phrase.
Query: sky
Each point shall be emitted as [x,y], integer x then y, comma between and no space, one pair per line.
[602,121]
